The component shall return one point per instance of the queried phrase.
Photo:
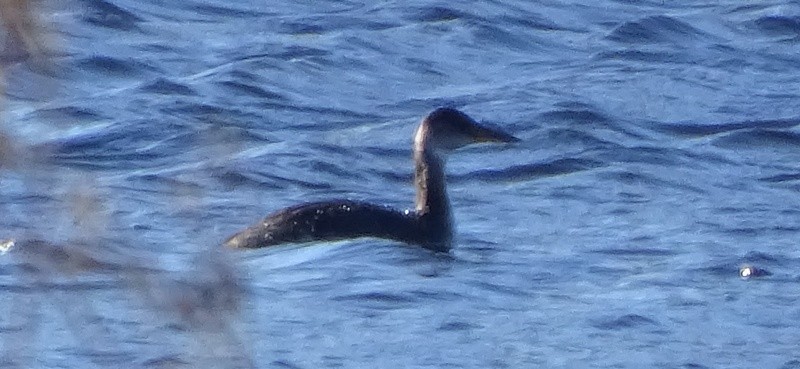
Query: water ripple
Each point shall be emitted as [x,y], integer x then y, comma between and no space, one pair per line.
[649,155]
[778,25]
[430,14]
[165,86]
[332,23]
[781,178]
[69,114]
[575,115]
[639,251]
[526,172]
[570,136]
[105,14]
[223,10]
[632,177]
[654,29]
[455,326]
[380,300]
[624,322]
[252,90]
[759,137]
[645,56]
[114,66]
[703,130]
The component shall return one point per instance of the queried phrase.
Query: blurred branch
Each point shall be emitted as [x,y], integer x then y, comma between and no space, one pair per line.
[203,303]
[24,39]
[53,275]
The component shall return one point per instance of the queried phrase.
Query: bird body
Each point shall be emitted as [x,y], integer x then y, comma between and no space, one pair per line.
[429,225]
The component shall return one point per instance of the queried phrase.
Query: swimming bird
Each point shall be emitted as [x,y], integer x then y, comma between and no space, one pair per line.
[429,224]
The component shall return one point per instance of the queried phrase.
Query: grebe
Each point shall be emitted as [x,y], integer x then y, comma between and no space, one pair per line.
[429,225]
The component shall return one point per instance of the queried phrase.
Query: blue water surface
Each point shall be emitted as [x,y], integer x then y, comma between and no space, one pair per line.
[659,154]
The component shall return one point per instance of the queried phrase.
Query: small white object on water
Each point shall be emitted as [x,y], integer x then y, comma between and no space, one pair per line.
[5,246]
[750,271]
[746,271]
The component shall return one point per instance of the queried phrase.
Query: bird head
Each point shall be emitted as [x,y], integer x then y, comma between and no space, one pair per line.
[448,129]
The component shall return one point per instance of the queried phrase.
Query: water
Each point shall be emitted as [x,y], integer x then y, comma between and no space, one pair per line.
[659,154]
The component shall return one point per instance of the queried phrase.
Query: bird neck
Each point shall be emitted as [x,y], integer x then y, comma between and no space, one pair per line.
[434,222]
[429,179]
